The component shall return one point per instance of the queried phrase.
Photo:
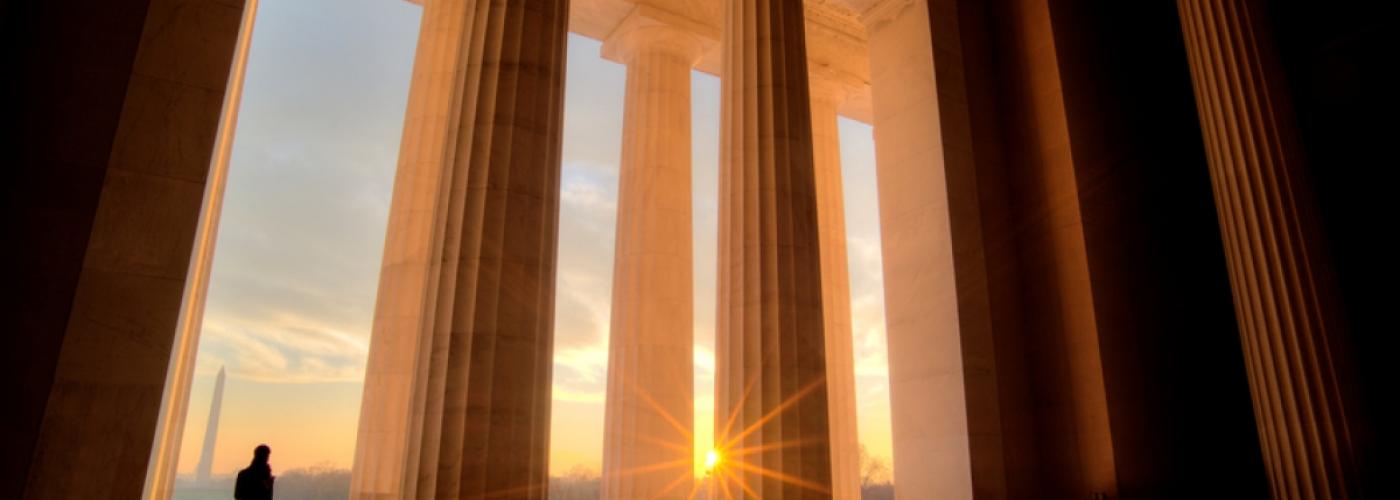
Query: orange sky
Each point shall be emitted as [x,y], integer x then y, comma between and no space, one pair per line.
[292,291]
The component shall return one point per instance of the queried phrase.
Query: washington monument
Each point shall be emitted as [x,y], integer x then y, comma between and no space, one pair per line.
[206,456]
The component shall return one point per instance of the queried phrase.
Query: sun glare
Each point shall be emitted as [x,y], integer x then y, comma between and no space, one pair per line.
[712,459]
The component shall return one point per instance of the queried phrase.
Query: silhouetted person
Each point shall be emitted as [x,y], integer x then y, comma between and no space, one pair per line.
[255,482]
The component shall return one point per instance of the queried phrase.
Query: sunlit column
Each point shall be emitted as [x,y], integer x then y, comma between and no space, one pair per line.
[827,93]
[647,451]
[928,402]
[456,401]
[1284,299]
[770,396]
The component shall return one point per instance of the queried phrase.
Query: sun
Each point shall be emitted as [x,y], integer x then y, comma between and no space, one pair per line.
[712,459]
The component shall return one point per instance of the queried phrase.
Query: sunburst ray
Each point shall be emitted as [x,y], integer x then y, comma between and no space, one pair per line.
[777,410]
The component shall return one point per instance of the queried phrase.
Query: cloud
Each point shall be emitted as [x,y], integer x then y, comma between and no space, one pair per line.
[704,362]
[589,363]
[580,374]
[295,277]
[588,197]
[582,308]
[868,310]
[287,348]
[581,335]
[565,393]
[865,261]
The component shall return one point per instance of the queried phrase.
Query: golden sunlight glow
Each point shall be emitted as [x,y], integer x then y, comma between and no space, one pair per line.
[682,445]
[733,450]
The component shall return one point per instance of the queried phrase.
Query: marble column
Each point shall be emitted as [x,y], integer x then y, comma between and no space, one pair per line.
[1284,298]
[113,126]
[647,450]
[175,400]
[770,395]
[457,387]
[928,399]
[827,94]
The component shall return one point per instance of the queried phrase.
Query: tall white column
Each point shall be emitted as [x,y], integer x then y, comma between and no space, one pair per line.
[770,395]
[457,388]
[827,94]
[647,451]
[927,398]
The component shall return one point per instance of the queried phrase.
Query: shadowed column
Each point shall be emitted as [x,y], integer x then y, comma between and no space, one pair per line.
[457,387]
[112,118]
[770,395]
[647,450]
[1284,297]
[836,287]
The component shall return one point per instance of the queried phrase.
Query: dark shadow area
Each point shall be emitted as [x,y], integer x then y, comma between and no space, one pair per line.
[255,481]
[1129,161]
[1340,66]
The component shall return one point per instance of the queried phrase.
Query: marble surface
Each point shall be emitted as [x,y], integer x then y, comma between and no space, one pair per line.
[949,403]
[1285,297]
[648,432]
[122,123]
[133,103]
[165,451]
[827,92]
[770,399]
[927,399]
[840,46]
[457,388]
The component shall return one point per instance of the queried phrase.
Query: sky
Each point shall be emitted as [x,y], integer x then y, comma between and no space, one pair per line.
[291,296]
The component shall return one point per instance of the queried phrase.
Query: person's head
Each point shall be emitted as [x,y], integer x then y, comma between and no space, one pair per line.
[261,453]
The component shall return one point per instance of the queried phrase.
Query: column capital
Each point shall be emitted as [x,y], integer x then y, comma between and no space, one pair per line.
[829,84]
[649,28]
[874,14]
[837,55]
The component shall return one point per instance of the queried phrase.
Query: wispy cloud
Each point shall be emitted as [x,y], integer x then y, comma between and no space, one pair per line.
[704,362]
[283,349]
[868,310]
[586,366]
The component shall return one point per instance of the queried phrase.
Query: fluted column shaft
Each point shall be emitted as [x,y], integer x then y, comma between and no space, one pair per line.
[650,398]
[457,388]
[770,395]
[1284,299]
[836,290]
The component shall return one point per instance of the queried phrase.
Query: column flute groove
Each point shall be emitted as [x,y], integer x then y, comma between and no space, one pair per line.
[456,400]
[1292,335]
[770,398]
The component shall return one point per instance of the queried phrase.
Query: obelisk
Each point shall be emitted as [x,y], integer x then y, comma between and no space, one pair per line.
[211,431]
